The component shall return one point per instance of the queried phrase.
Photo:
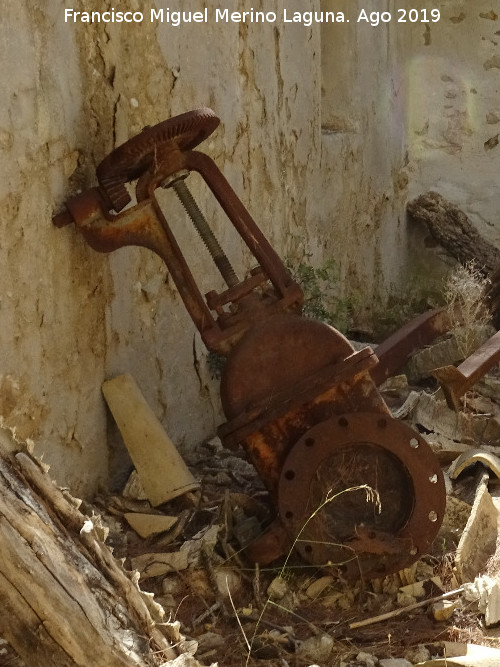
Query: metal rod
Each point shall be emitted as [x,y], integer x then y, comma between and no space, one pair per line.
[456,381]
[206,234]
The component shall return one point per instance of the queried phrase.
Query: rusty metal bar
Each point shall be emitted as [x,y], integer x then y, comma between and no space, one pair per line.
[245,225]
[455,381]
[143,225]
[297,396]
[395,351]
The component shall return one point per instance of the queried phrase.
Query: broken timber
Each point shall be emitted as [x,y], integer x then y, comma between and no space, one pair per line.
[65,600]
[453,231]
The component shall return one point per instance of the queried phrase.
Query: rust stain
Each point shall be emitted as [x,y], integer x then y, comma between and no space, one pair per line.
[298,398]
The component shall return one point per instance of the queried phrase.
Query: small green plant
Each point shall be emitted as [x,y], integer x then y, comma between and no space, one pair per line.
[321,286]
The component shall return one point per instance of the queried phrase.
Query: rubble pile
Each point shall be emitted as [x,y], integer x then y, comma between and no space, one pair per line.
[190,553]
[184,534]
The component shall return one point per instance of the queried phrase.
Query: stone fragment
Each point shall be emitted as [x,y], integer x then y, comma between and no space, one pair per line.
[479,538]
[419,589]
[316,648]
[317,587]
[465,655]
[228,582]
[210,641]
[415,590]
[486,591]
[184,660]
[205,540]
[367,659]
[170,585]
[167,601]
[395,384]
[200,585]
[277,589]
[394,662]
[419,654]
[146,525]
[405,600]
[444,609]
[156,564]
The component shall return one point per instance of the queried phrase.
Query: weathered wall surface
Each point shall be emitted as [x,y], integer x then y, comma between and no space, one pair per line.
[453,127]
[363,168]
[313,138]
[71,317]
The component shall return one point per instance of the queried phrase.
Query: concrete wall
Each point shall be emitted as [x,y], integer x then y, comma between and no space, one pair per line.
[321,134]
[453,127]
[363,168]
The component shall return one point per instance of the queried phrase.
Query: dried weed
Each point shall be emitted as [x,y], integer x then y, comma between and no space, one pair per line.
[469,313]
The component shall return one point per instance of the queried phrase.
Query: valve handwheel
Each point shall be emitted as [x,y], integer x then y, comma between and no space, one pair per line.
[135,156]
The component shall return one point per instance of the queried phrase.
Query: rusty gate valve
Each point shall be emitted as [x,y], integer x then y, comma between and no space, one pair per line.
[352,488]
[162,156]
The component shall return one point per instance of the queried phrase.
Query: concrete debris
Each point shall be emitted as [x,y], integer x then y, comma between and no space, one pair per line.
[478,541]
[489,386]
[146,525]
[208,539]
[446,352]
[465,655]
[485,591]
[408,406]
[449,431]
[133,488]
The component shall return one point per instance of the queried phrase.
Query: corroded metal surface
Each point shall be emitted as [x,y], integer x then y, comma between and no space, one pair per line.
[143,152]
[395,351]
[298,398]
[455,381]
[373,490]
[153,157]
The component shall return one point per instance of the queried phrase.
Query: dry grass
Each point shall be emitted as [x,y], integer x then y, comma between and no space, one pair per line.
[469,313]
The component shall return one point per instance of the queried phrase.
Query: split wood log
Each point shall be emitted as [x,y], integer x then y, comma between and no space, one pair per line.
[452,229]
[64,599]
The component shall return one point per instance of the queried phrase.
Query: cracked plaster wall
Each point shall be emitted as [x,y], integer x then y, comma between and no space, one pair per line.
[453,129]
[313,141]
